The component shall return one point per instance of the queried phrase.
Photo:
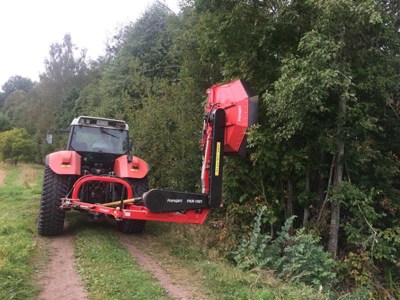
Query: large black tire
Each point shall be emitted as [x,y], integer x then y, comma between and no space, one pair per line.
[51,216]
[140,186]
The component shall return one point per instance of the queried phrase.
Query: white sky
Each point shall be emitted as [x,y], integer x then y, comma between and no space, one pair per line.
[29,27]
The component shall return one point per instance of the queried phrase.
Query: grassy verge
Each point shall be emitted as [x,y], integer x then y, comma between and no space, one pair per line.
[107,268]
[19,196]
[190,247]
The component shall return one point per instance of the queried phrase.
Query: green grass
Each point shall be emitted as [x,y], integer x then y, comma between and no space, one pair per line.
[19,197]
[191,247]
[107,268]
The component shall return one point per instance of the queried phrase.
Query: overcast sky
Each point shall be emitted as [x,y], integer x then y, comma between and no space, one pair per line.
[29,27]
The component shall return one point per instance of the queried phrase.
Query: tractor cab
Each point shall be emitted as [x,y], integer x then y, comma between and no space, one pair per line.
[99,135]
[99,142]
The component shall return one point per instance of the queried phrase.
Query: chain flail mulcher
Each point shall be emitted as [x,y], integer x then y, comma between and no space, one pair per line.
[98,175]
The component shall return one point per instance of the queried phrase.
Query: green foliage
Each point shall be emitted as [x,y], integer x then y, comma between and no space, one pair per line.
[166,136]
[15,144]
[304,260]
[366,230]
[4,123]
[16,108]
[254,251]
[297,258]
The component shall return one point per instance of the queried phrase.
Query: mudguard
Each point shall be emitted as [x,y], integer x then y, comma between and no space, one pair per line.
[64,162]
[128,166]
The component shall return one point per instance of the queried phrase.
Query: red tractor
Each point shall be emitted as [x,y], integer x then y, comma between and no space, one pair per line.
[97,174]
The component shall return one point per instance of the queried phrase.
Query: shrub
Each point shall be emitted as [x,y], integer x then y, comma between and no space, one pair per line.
[254,251]
[298,258]
[304,260]
[15,144]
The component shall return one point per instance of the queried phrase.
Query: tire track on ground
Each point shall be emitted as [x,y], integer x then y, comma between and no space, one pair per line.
[60,280]
[175,290]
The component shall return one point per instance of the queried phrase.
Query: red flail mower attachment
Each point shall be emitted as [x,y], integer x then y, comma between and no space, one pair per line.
[230,110]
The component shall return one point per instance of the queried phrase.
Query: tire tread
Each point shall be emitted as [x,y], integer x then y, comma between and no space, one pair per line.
[51,216]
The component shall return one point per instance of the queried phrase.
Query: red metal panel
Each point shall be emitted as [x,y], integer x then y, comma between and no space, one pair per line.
[136,168]
[64,162]
[234,99]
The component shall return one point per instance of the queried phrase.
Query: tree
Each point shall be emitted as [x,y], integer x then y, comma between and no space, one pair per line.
[15,83]
[327,85]
[166,132]
[63,79]
[62,68]
[142,53]
[16,107]
[15,144]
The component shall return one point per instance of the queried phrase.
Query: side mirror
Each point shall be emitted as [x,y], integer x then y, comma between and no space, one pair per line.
[49,138]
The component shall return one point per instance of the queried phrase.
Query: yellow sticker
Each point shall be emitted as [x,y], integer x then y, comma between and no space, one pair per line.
[217,161]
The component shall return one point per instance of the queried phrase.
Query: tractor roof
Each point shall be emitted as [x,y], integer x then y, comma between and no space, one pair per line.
[100,122]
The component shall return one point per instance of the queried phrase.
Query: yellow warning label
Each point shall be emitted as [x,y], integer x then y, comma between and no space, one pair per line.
[217,158]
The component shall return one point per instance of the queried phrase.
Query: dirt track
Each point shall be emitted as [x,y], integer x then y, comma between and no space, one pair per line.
[59,280]
[175,291]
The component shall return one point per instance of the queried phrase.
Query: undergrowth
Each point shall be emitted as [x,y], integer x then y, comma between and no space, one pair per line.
[298,258]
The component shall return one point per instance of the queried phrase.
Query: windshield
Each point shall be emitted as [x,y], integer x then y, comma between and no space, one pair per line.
[99,139]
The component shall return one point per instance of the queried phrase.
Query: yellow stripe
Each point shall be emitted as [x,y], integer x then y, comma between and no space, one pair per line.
[217,161]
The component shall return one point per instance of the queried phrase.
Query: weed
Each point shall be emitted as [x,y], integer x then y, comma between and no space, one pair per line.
[298,258]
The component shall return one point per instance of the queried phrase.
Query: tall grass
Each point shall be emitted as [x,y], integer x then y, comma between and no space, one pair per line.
[19,196]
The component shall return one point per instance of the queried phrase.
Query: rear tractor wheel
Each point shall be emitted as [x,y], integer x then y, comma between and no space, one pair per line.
[51,216]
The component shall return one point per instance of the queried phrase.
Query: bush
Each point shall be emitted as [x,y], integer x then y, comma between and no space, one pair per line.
[297,258]
[256,251]
[304,260]
[15,144]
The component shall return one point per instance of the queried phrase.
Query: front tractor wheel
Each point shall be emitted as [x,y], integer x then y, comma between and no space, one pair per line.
[140,186]
[51,216]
